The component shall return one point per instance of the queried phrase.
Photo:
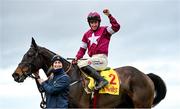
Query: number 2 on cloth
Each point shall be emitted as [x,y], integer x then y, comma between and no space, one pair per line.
[112,79]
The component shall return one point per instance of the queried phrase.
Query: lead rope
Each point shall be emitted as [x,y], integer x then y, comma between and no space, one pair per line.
[43,102]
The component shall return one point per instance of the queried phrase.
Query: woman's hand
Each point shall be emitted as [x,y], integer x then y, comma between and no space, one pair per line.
[36,74]
[40,80]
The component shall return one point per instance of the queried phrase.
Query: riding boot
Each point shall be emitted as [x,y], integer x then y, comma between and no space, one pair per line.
[94,74]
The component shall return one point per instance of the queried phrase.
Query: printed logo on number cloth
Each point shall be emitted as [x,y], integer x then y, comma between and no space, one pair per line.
[112,87]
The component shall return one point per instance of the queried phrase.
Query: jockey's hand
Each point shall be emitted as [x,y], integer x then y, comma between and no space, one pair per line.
[106,12]
[74,61]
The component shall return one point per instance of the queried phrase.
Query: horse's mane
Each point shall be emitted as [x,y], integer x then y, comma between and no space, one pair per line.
[42,49]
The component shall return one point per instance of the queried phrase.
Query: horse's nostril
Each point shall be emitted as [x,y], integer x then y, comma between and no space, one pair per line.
[15,76]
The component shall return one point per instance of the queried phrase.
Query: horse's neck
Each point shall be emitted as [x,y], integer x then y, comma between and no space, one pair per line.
[46,56]
[72,70]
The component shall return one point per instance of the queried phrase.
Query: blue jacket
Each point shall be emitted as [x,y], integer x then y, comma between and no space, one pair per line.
[57,90]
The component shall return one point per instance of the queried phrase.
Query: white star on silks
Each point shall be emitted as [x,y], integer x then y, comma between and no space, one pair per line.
[93,39]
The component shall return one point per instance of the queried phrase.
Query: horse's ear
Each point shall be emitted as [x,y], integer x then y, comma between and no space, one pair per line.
[33,43]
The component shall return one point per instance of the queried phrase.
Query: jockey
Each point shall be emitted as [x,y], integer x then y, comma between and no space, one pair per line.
[96,40]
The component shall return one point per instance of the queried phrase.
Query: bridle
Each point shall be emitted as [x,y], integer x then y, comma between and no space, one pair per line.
[30,74]
[32,67]
[29,65]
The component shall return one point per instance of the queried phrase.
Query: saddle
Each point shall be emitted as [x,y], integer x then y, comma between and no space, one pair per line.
[110,75]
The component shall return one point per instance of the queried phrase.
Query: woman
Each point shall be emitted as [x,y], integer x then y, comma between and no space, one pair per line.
[57,86]
[96,40]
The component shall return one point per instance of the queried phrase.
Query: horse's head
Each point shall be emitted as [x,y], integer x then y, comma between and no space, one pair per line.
[31,63]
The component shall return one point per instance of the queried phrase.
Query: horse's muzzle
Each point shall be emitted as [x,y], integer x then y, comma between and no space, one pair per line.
[18,78]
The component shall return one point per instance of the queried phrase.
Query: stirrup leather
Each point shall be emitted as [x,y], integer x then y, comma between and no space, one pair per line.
[101,84]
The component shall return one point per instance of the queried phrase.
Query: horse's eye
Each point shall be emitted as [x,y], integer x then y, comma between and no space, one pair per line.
[30,54]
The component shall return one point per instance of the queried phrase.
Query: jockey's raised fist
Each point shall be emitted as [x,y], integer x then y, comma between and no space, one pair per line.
[106,12]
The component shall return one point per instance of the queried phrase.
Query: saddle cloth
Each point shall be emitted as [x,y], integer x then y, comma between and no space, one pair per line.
[114,83]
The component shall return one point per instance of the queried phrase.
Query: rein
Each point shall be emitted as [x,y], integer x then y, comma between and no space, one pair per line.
[33,76]
[75,82]
[68,68]
[43,102]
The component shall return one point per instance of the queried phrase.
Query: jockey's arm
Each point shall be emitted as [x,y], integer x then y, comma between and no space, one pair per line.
[82,49]
[115,26]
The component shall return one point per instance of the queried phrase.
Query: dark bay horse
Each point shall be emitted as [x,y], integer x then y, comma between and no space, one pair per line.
[137,90]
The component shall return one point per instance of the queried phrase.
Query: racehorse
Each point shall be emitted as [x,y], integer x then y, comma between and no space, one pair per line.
[137,90]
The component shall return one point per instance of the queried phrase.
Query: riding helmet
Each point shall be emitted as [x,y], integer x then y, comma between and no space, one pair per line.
[93,16]
[56,58]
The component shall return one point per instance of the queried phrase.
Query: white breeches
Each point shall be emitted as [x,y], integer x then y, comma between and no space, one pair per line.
[98,62]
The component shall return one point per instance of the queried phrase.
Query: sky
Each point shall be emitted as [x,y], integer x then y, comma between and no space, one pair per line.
[148,40]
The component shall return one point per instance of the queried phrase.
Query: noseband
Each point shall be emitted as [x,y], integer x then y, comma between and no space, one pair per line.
[31,66]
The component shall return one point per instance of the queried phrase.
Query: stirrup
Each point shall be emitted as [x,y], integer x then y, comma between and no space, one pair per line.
[101,84]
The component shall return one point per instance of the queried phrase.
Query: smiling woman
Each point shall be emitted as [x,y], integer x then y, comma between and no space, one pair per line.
[56,86]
